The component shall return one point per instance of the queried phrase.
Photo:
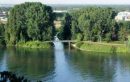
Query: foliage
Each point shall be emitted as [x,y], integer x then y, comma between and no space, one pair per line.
[108,37]
[124,30]
[2,30]
[34,22]
[33,44]
[65,31]
[79,37]
[94,24]
[29,21]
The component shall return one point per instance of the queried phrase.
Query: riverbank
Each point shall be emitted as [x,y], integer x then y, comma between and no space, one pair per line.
[101,47]
[34,44]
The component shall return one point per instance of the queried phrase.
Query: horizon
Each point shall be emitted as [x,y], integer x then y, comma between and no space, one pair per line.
[67,4]
[72,2]
[56,5]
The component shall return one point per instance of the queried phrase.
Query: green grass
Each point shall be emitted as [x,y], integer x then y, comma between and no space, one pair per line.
[102,47]
[34,44]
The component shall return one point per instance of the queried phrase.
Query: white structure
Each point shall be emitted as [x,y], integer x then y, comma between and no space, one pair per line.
[60,11]
[3,17]
[123,16]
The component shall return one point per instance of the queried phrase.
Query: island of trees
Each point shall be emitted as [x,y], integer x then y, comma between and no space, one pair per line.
[31,23]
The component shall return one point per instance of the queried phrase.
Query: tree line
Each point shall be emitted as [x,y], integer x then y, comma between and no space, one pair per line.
[34,22]
[94,24]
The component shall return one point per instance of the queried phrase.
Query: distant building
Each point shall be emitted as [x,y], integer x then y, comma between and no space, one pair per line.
[123,16]
[60,11]
[3,17]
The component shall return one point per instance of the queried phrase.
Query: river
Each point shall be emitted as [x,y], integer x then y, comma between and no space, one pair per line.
[62,65]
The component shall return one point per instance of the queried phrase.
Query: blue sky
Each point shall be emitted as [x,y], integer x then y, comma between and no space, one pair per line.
[68,1]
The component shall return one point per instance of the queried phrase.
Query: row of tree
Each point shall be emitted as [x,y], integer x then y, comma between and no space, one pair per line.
[34,21]
[95,24]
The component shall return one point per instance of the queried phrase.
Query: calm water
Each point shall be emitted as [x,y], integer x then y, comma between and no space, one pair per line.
[59,65]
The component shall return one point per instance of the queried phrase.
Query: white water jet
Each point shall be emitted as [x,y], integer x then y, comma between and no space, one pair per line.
[62,70]
[58,45]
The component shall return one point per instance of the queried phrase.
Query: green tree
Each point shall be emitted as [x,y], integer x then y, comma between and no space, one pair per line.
[2,31]
[65,33]
[29,21]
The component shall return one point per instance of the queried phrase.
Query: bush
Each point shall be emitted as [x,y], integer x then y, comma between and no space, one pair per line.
[108,37]
[34,44]
[2,42]
[79,44]
[79,37]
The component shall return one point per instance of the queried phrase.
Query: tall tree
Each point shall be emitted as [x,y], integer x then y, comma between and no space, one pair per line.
[29,21]
[65,33]
[2,32]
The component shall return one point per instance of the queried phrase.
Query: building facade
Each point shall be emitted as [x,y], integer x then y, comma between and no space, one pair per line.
[123,16]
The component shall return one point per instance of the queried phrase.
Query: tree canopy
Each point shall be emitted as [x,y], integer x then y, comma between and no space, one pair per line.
[29,21]
[95,23]
[2,30]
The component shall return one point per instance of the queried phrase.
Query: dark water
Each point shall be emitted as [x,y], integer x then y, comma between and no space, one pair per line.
[57,65]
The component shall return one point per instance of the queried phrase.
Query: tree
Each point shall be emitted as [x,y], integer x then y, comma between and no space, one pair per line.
[2,31]
[29,21]
[65,33]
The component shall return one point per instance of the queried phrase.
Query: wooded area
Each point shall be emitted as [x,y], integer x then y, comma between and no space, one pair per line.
[35,22]
[94,24]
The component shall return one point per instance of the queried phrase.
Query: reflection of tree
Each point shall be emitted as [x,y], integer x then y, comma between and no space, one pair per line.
[32,62]
[99,66]
[125,62]
[2,59]
[1,53]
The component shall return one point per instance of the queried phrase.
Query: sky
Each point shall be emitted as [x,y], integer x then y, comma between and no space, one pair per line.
[67,1]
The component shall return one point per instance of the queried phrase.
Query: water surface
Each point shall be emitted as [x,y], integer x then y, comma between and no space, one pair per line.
[60,65]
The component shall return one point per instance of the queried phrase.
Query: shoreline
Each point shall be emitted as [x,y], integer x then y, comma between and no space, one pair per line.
[34,44]
[101,47]
[83,46]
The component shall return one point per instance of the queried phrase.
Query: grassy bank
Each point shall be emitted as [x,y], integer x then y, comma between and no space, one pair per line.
[34,44]
[101,47]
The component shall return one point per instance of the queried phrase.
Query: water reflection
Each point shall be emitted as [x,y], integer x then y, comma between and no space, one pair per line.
[60,66]
[100,67]
[3,61]
[63,71]
[33,63]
